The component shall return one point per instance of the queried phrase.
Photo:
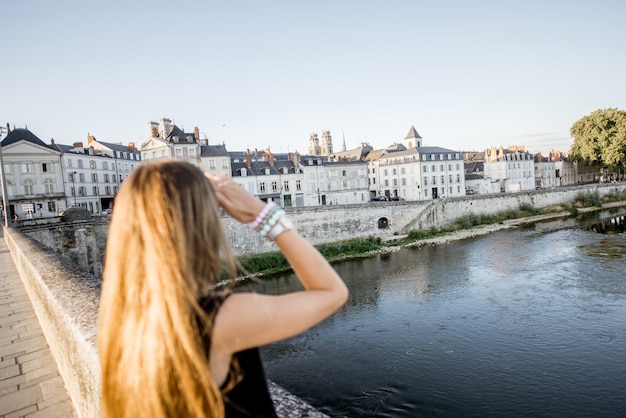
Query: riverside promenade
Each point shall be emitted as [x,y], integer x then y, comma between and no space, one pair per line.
[30,384]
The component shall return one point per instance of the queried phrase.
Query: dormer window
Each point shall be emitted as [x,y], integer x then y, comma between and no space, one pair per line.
[243,172]
[285,170]
[267,171]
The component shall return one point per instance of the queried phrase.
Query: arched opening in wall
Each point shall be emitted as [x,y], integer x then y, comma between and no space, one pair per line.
[383,223]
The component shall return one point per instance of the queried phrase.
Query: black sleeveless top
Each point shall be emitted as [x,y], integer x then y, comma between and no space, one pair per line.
[250,397]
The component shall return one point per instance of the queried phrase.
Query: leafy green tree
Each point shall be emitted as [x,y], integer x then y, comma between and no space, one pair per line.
[600,138]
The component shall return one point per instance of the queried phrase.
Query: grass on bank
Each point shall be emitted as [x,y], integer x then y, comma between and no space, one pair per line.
[275,262]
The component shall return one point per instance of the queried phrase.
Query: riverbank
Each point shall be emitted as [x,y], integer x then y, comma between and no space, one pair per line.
[467,226]
[488,229]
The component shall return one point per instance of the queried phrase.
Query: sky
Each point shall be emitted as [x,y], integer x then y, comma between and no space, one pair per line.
[256,74]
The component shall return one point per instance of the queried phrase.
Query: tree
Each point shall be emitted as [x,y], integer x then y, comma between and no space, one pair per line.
[600,138]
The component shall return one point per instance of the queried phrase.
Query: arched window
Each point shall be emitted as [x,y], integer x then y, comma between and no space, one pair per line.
[383,223]
[48,186]
[29,187]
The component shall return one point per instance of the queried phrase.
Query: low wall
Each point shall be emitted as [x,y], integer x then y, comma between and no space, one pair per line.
[66,302]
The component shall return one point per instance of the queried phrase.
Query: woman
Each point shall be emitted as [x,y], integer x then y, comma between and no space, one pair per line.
[171,343]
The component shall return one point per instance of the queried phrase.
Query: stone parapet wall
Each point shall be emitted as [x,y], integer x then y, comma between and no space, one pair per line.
[66,303]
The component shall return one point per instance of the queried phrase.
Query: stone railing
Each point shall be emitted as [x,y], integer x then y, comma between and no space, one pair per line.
[66,303]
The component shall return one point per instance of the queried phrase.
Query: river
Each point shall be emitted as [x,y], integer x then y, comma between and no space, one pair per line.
[524,322]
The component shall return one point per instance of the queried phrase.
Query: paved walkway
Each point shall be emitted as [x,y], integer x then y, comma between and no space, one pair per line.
[30,384]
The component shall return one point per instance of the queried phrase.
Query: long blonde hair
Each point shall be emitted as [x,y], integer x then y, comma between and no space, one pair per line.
[164,250]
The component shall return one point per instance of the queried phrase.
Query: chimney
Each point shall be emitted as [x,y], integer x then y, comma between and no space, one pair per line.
[154,129]
[248,159]
[271,159]
[167,126]
[196,133]
[52,144]
[90,138]
[131,146]
[78,144]
[8,128]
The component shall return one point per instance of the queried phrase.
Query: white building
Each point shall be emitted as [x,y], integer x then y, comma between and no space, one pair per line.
[33,176]
[271,178]
[343,182]
[513,168]
[171,142]
[127,157]
[415,172]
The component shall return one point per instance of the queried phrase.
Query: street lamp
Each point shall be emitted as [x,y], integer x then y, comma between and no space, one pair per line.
[74,186]
[5,196]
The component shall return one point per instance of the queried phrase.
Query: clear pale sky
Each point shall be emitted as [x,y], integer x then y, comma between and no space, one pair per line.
[467,75]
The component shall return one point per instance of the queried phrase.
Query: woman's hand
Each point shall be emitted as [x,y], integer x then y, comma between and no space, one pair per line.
[239,204]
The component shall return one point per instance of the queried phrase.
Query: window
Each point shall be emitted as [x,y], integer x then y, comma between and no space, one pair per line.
[80,163]
[443,179]
[457,166]
[343,173]
[105,165]
[48,186]
[403,170]
[52,207]
[425,169]
[44,167]
[212,164]
[81,176]
[107,190]
[29,187]
[450,167]
[69,163]
[274,186]
[386,172]
[458,178]
[106,177]
[262,187]
[224,163]
[71,176]
[178,152]
[192,153]
[433,168]
[27,168]
[95,190]
[434,180]
[92,164]
[404,182]
[94,177]
[386,183]
[450,178]
[394,171]
[286,185]
[298,185]
[395,182]
[267,171]
[441,167]
[425,181]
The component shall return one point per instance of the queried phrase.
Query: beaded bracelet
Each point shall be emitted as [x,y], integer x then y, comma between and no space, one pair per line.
[270,221]
[254,225]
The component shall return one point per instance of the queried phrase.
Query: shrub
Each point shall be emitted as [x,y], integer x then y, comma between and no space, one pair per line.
[588,198]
